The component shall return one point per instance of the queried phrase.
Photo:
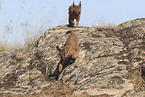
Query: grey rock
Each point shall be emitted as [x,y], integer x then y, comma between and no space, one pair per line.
[108,62]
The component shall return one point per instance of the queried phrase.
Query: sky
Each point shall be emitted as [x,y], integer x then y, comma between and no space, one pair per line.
[39,15]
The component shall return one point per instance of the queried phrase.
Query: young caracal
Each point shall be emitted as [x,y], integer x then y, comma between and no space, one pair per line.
[74,13]
[70,49]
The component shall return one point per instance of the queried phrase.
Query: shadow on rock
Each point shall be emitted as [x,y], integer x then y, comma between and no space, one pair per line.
[70,26]
[68,61]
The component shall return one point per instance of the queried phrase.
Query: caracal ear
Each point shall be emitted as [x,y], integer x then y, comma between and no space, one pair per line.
[80,4]
[73,4]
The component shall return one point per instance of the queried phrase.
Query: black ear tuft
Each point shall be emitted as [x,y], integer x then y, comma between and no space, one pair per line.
[80,3]
[73,4]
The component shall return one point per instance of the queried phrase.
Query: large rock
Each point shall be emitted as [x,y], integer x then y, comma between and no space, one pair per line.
[107,62]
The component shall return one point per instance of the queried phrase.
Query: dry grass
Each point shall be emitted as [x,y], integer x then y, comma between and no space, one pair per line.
[3,46]
[103,24]
[29,36]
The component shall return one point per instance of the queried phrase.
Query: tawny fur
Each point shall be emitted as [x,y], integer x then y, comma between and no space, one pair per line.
[71,48]
[74,13]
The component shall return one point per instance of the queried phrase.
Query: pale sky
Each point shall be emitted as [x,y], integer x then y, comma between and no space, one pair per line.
[38,14]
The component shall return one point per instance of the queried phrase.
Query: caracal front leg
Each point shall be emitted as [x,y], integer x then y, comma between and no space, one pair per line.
[71,21]
[61,65]
[77,22]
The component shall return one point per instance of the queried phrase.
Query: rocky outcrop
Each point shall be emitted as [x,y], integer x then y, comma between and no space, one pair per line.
[108,62]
